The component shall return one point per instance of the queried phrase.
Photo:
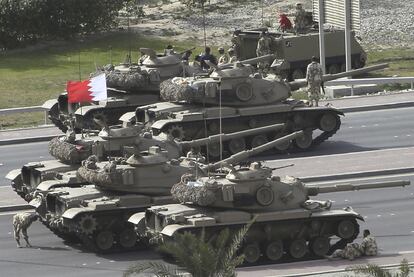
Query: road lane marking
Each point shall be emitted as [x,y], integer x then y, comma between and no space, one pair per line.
[395,136]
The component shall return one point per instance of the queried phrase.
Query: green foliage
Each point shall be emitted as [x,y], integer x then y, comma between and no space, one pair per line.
[25,22]
[376,271]
[200,256]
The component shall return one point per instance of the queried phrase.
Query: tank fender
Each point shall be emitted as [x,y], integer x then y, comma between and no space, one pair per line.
[170,230]
[72,213]
[159,124]
[50,104]
[84,110]
[14,175]
[138,220]
[49,184]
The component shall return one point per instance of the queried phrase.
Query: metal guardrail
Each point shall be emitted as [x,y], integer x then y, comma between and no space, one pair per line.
[24,110]
[376,81]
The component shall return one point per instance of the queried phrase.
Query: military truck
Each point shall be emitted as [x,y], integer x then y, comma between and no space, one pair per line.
[294,52]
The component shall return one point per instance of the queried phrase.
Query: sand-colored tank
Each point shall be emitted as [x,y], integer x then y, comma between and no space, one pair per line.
[97,214]
[115,141]
[288,224]
[129,86]
[237,99]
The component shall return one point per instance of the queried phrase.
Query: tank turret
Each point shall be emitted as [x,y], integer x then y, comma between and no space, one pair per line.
[287,223]
[239,86]
[129,85]
[152,173]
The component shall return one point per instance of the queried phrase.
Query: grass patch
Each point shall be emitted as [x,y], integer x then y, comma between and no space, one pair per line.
[22,120]
[29,78]
[401,62]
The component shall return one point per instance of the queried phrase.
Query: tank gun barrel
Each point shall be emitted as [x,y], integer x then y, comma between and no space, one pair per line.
[297,84]
[248,153]
[225,137]
[315,190]
[252,61]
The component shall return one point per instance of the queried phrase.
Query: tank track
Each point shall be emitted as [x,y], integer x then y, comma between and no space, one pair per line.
[67,237]
[326,135]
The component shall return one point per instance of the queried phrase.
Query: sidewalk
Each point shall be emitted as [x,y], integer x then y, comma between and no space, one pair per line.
[323,267]
[346,104]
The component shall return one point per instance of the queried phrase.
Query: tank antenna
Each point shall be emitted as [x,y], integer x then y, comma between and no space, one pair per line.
[221,127]
[204,23]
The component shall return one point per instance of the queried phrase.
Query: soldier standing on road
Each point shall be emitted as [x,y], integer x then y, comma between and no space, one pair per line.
[314,80]
[224,58]
[21,222]
[300,18]
[369,244]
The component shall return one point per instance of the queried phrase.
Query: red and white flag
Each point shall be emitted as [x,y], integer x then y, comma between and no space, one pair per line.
[90,90]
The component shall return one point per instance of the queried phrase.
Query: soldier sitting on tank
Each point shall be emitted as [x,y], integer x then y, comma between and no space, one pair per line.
[207,56]
[300,18]
[169,50]
[314,80]
[224,57]
[232,55]
[186,56]
[193,154]
[142,58]
[21,222]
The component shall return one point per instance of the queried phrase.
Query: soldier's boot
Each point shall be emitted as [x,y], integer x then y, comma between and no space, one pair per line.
[18,243]
[26,238]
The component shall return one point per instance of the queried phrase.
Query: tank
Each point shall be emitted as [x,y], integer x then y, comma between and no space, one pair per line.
[112,142]
[287,224]
[294,51]
[236,99]
[97,214]
[129,85]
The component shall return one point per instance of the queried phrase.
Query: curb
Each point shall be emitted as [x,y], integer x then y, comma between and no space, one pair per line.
[377,107]
[354,175]
[26,140]
[15,208]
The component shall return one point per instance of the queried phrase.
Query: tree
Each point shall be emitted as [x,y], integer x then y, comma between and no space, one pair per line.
[201,257]
[376,271]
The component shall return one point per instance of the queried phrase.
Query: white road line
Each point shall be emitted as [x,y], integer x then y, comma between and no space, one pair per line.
[395,136]
[363,126]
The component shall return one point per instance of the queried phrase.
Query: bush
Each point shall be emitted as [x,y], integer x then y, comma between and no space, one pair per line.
[24,22]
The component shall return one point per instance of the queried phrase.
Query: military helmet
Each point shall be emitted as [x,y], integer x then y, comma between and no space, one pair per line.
[221,49]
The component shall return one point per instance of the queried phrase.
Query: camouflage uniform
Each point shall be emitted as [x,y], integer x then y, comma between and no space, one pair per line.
[300,18]
[350,252]
[236,45]
[263,48]
[233,59]
[21,222]
[369,246]
[314,79]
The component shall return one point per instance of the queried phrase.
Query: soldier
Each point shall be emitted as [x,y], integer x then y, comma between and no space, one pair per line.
[300,18]
[350,252]
[224,58]
[169,50]
[314,80]
[284,23]
[232,55]
[195,155]
[263,48]
[236,43]
[369,244]
[207,56]
[21,222]
[186,56]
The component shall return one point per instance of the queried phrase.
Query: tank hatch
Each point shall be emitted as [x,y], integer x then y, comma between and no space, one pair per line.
[254,172]
[155,155]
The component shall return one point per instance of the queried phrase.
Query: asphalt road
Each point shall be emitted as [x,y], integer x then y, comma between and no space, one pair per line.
[360,131]
[388,214]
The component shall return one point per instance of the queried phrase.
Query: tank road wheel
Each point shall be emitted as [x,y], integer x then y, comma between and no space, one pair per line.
[274,250]
[214,150]
[333,69]
[244,92]
[304,141]
[328,122]
[320,246]
[251,253]
[176,132]
[127,238]
[284,146]
[87,224]
[237,145]
[298,74]
[298,248]
[258,140]
[104,240]
[346,229]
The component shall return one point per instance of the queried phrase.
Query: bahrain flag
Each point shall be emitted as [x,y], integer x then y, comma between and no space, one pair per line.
[90,90]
